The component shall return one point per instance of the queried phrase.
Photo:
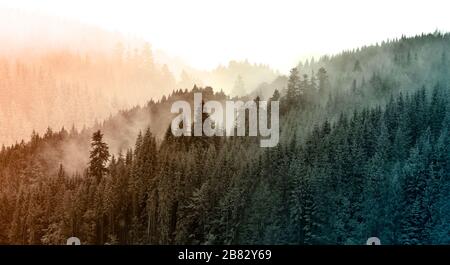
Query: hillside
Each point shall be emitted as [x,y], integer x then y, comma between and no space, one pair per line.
[364,151]
[58,73]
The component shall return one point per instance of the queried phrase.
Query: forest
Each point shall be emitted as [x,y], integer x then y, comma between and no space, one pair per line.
[364,151]
[56,72]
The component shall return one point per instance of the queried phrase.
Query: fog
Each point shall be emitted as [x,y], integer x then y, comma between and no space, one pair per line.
[57,72]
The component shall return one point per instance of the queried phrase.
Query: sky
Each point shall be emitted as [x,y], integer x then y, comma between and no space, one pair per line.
[205,33]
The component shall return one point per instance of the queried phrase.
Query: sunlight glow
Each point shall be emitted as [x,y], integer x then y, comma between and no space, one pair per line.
[206,33]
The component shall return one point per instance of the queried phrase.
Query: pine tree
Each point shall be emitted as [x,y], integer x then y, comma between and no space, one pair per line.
[276,95]
[293,87]
[99,156]
[322,76]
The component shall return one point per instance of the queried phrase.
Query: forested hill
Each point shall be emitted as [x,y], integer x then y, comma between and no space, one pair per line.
[376,71]
[354,161]
[70,146]
[58,72]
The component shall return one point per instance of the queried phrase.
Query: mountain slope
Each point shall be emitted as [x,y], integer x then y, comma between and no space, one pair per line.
[353,162]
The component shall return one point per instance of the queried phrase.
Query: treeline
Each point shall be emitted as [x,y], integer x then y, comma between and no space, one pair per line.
[237,78]
[372,73]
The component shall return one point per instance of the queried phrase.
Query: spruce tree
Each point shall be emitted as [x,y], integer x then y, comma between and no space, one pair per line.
[99,156]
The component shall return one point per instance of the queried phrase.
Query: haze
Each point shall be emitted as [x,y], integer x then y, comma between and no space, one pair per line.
[205,33]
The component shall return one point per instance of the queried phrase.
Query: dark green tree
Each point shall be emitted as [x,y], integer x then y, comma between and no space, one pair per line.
[99,156]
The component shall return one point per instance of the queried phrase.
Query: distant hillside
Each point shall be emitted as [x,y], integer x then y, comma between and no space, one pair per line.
[238,78]
[58,73]
[377,71]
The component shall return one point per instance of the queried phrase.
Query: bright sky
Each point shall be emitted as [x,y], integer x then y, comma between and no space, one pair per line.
[206,33]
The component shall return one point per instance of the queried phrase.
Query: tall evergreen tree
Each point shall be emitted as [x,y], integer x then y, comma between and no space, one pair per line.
[99,156]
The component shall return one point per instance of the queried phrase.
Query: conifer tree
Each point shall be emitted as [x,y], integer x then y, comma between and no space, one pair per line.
[99,156]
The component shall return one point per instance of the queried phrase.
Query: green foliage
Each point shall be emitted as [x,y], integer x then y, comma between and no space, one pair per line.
[98,156]
[355,160]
